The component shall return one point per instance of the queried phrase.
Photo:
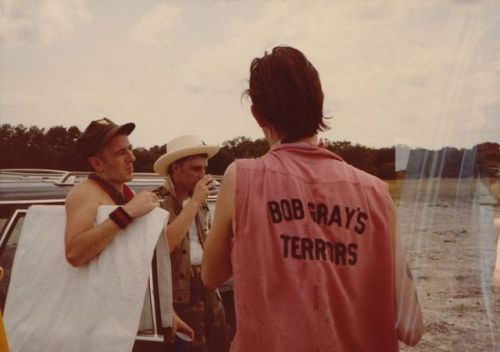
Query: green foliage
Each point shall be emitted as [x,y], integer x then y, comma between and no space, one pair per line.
[236,148]
[145,158]
[55,148]
[378,162]
[26,148]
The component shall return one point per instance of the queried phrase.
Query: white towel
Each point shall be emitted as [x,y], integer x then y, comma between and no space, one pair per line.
[54,307]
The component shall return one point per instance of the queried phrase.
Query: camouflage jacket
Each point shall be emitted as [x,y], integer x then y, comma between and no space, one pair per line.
[180,256]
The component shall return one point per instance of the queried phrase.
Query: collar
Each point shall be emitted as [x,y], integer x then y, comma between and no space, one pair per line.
[307,149]
[170,192]
[169,186]
[278,143]
[170,189]
[117,196]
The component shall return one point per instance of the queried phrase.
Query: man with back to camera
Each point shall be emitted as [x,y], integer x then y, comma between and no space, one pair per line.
[107,149]
[311,241]
[184,195]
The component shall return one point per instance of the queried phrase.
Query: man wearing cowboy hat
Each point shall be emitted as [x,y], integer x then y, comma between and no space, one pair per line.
[184,195]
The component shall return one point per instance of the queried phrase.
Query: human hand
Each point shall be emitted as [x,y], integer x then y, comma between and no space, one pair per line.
[214,188]
[202,189]
[177,325]
[141,204]
[181,326]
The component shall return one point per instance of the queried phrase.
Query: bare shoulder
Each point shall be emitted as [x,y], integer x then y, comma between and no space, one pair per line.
[231,169]
[85,189]
[225,197]
[230,173]
[228,182]
[83,193]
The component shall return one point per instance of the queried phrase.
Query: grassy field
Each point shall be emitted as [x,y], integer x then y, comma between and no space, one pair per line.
[435,189]
[447,227]
[395,187]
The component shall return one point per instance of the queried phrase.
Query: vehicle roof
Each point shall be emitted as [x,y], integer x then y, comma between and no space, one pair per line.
[41,184]
[25,185]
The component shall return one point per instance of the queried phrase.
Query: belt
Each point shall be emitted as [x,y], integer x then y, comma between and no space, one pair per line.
[195,270]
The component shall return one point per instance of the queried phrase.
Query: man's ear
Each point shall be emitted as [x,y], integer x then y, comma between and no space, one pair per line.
[95,162]
[261,122]
[173,168]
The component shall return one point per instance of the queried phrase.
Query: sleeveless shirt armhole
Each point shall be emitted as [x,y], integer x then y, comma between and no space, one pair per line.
[240,193]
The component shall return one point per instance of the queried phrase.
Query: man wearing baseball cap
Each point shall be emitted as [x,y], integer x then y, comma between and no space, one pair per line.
[184,195]
[106,147]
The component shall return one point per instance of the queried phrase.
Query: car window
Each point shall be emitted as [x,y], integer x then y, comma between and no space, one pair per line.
[10,238]
[3,220]
[5,213]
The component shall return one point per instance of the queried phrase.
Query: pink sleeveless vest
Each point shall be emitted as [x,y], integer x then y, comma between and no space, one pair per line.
[312,255]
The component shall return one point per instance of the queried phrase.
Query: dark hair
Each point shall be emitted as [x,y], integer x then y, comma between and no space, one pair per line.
[286,92]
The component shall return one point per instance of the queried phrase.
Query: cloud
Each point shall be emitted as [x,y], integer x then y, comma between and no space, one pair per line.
[362,60]
[44,21]
[15,21]
[61,17]
[399,71]
[419,73]
[156,27]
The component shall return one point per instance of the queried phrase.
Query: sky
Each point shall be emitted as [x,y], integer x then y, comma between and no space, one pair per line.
[418,73]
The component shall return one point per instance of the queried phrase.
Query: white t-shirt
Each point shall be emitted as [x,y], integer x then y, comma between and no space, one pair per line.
[195,248]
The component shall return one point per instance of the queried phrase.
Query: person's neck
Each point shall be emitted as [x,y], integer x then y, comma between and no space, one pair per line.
[313,140]
[181,193]
[117,185]
[274,139]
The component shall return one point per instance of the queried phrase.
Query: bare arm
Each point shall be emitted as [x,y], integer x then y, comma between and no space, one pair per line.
[216,268]
[409,325]
[178,228]
[83,239]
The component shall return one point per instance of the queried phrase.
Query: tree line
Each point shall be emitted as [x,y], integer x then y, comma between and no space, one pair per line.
[482,160]
[55,148]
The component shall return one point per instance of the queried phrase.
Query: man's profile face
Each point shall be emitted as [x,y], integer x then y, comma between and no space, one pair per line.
[116,160]
[189,171]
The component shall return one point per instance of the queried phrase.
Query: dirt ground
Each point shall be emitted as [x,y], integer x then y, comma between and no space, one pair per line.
[451,246]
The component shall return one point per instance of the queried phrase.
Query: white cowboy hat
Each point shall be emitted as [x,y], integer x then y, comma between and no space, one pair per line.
[182,147]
